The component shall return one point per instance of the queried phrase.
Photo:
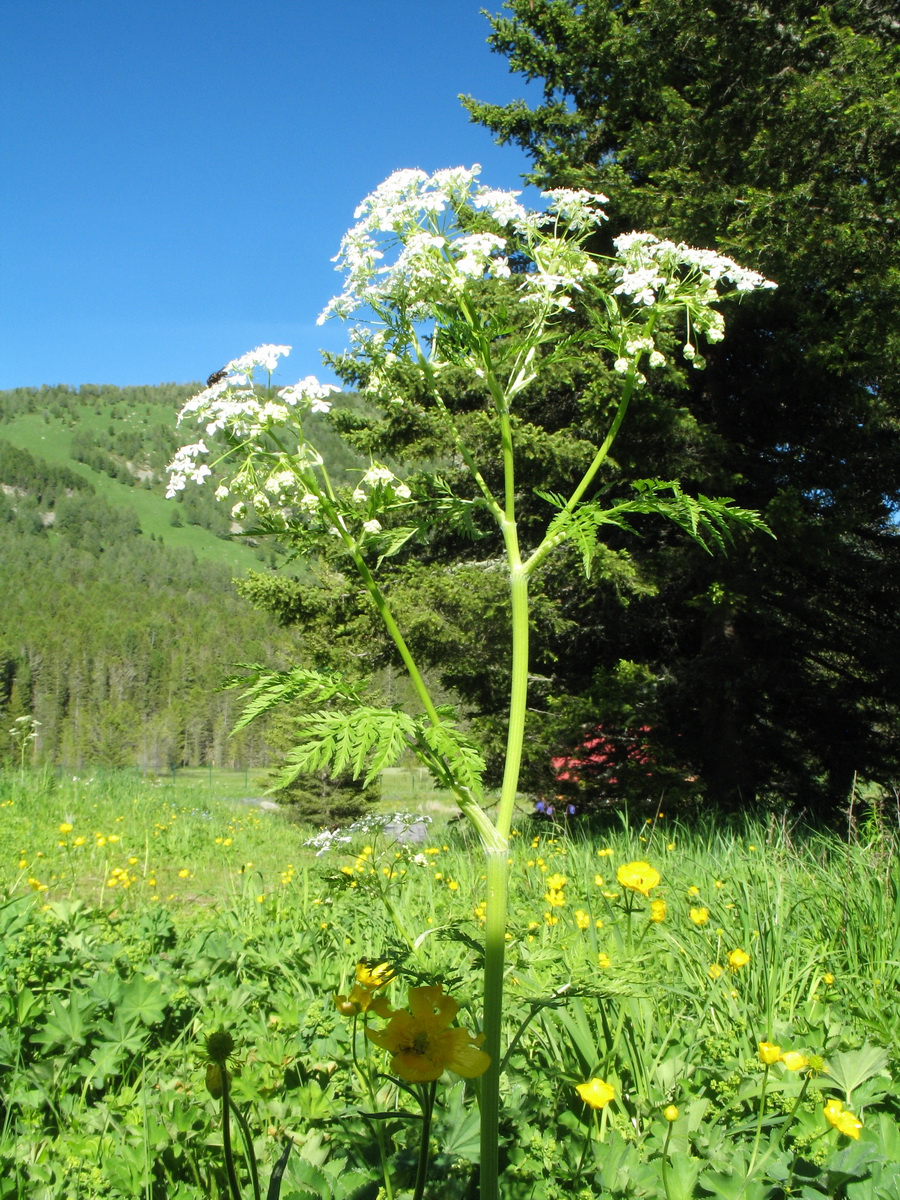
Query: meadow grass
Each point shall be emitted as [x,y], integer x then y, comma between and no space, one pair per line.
[138,917]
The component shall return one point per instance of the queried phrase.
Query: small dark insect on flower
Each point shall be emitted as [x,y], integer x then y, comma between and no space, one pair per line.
[216,377]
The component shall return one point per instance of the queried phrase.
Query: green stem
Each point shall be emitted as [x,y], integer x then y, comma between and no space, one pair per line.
[773,1149]
[551,542]
[665,1162]
[426,1099]
[762,1106]
[494,951]
[498,853]
[365,1078]
[226,1136]
[247,1138]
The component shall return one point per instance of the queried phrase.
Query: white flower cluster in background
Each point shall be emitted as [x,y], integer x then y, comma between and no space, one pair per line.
[380,478]
[395,826]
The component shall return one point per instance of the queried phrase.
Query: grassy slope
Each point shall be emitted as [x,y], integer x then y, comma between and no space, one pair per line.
[51,440]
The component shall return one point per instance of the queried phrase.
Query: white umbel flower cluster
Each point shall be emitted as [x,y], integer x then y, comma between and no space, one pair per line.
[417,215]
[233,404]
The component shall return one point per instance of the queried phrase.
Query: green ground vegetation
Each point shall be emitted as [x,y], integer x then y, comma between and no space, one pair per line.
[138,917]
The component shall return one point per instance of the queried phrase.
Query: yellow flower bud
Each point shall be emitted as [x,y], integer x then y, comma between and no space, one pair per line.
[214,1084]
[670,1112]
[768,1053]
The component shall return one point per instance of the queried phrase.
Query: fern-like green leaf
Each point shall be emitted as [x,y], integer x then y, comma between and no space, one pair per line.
[393,540]
[457,750]
[711,522]
[340,741]
[267,689]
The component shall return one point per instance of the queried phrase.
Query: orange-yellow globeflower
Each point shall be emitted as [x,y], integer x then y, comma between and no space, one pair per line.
[419,1038]
[359,1000]
[374,973]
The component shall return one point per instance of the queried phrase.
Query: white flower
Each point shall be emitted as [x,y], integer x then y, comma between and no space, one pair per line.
[309,393]
[372,526]
[580,209]
[621,365]
[376,475]
[263,356]
[184,467]
[477,250]
[280,482]
[501,205]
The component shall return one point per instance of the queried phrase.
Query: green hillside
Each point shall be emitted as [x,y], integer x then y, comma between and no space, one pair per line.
[119,618]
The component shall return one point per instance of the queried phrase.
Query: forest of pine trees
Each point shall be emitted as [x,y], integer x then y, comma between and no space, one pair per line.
[114,641]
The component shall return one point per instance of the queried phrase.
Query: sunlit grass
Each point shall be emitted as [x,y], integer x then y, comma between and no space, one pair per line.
[175,902]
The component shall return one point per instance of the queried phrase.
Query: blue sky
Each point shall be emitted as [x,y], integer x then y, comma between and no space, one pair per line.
[175,176]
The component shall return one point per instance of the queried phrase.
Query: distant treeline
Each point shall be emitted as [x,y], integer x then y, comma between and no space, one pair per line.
[114,642]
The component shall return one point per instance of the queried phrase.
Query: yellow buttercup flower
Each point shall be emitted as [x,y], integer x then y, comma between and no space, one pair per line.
[603,960]
[715,970]
[596,1093]
[657,910]
[843,1122]
[638,876]
[420,1041]
[768,1053]
[358,1001]
[699,915]
[582,919]
[794,1061]
[65,827]
[737,959]
[374,973]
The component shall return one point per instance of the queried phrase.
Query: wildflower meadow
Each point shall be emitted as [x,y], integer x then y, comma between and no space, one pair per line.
[690,1009]
[212,1002]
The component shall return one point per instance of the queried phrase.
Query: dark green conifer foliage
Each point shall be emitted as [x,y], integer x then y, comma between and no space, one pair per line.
[771,133]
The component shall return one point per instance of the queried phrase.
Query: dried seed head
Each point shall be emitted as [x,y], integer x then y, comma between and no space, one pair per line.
[219,1046]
